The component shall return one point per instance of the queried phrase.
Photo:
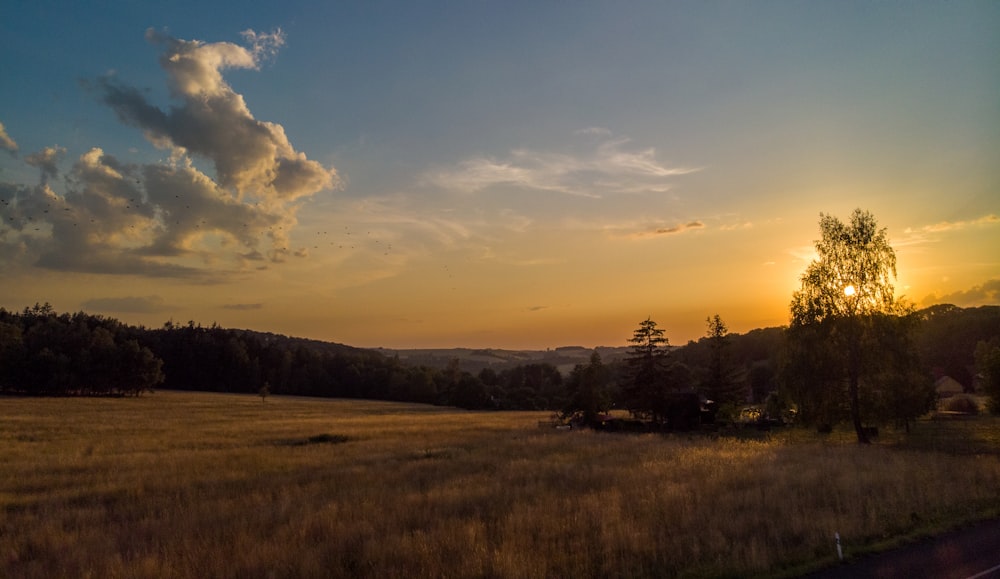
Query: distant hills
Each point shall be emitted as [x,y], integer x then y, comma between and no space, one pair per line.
[946,340]
[48,353]
[474,360]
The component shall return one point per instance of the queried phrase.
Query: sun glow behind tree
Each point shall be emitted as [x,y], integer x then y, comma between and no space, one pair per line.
[849,335]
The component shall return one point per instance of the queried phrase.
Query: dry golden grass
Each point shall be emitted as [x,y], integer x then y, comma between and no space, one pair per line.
[212,485]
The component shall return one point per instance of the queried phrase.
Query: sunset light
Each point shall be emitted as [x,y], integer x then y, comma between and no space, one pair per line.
[629,290]
[488,175]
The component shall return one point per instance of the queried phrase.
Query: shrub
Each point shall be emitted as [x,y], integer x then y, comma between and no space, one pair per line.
[962,404]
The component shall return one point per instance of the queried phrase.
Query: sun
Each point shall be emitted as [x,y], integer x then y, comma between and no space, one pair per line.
[849,291]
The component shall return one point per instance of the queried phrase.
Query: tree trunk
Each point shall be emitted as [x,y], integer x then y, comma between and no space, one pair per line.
[856,411]
[853,374]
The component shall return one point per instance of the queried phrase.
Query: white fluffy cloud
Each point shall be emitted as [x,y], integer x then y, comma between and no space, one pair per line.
[5,141]
[253,157]
[170,219]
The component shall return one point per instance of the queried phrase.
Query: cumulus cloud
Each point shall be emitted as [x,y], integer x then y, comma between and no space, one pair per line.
[253,157]
[609,167]
[263,44]
[6,142]
[986,294]
[131,304]
[46,161]
[170,219]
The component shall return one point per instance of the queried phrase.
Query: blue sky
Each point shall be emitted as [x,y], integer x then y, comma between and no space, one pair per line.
[486,173]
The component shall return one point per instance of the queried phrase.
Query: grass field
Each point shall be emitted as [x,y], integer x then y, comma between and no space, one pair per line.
[213,485]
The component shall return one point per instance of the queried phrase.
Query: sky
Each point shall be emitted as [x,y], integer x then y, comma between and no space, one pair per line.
[488,174]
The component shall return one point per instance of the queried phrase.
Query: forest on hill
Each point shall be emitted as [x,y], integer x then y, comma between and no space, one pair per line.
[43,352]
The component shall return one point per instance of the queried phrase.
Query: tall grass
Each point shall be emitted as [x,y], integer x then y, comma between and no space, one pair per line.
[203,485]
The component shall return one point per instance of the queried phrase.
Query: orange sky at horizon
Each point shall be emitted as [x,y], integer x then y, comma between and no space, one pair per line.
[494,176]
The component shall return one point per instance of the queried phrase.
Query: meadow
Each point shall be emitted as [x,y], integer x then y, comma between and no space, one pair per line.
[213,485]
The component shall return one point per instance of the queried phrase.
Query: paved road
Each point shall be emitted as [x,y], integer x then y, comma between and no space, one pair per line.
[964,554]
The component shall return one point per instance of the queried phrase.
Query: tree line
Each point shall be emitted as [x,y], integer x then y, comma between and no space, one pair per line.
[852,353]
[45,353]
[48,353]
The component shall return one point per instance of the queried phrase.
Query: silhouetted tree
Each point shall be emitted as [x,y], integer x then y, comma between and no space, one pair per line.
[948,336]
[12,356]
[650,380]
[42,352]
[536,386]
[988,364]
[144,370]
[900,388]
[587,390]
[762,380]
[722,382]
[420,385]
[844,331]
[645,369]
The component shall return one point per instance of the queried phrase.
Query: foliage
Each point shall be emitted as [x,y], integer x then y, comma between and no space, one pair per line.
[722,381]
[645,369]
[536,386]
[963,404]
[587,390]
[988,364]
[749,361]
[651,379]
[850,354]
[948,336]
[900,386]
[44,353]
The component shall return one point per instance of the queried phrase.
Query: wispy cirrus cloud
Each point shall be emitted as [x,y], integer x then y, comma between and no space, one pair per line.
[609,167]
[130,304]
[805,254]
[916,236]
[743,225]
[243,307]
[599,131]
[944,226]
[652,231]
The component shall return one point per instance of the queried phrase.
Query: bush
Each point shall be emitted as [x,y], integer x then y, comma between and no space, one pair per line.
[963,404]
